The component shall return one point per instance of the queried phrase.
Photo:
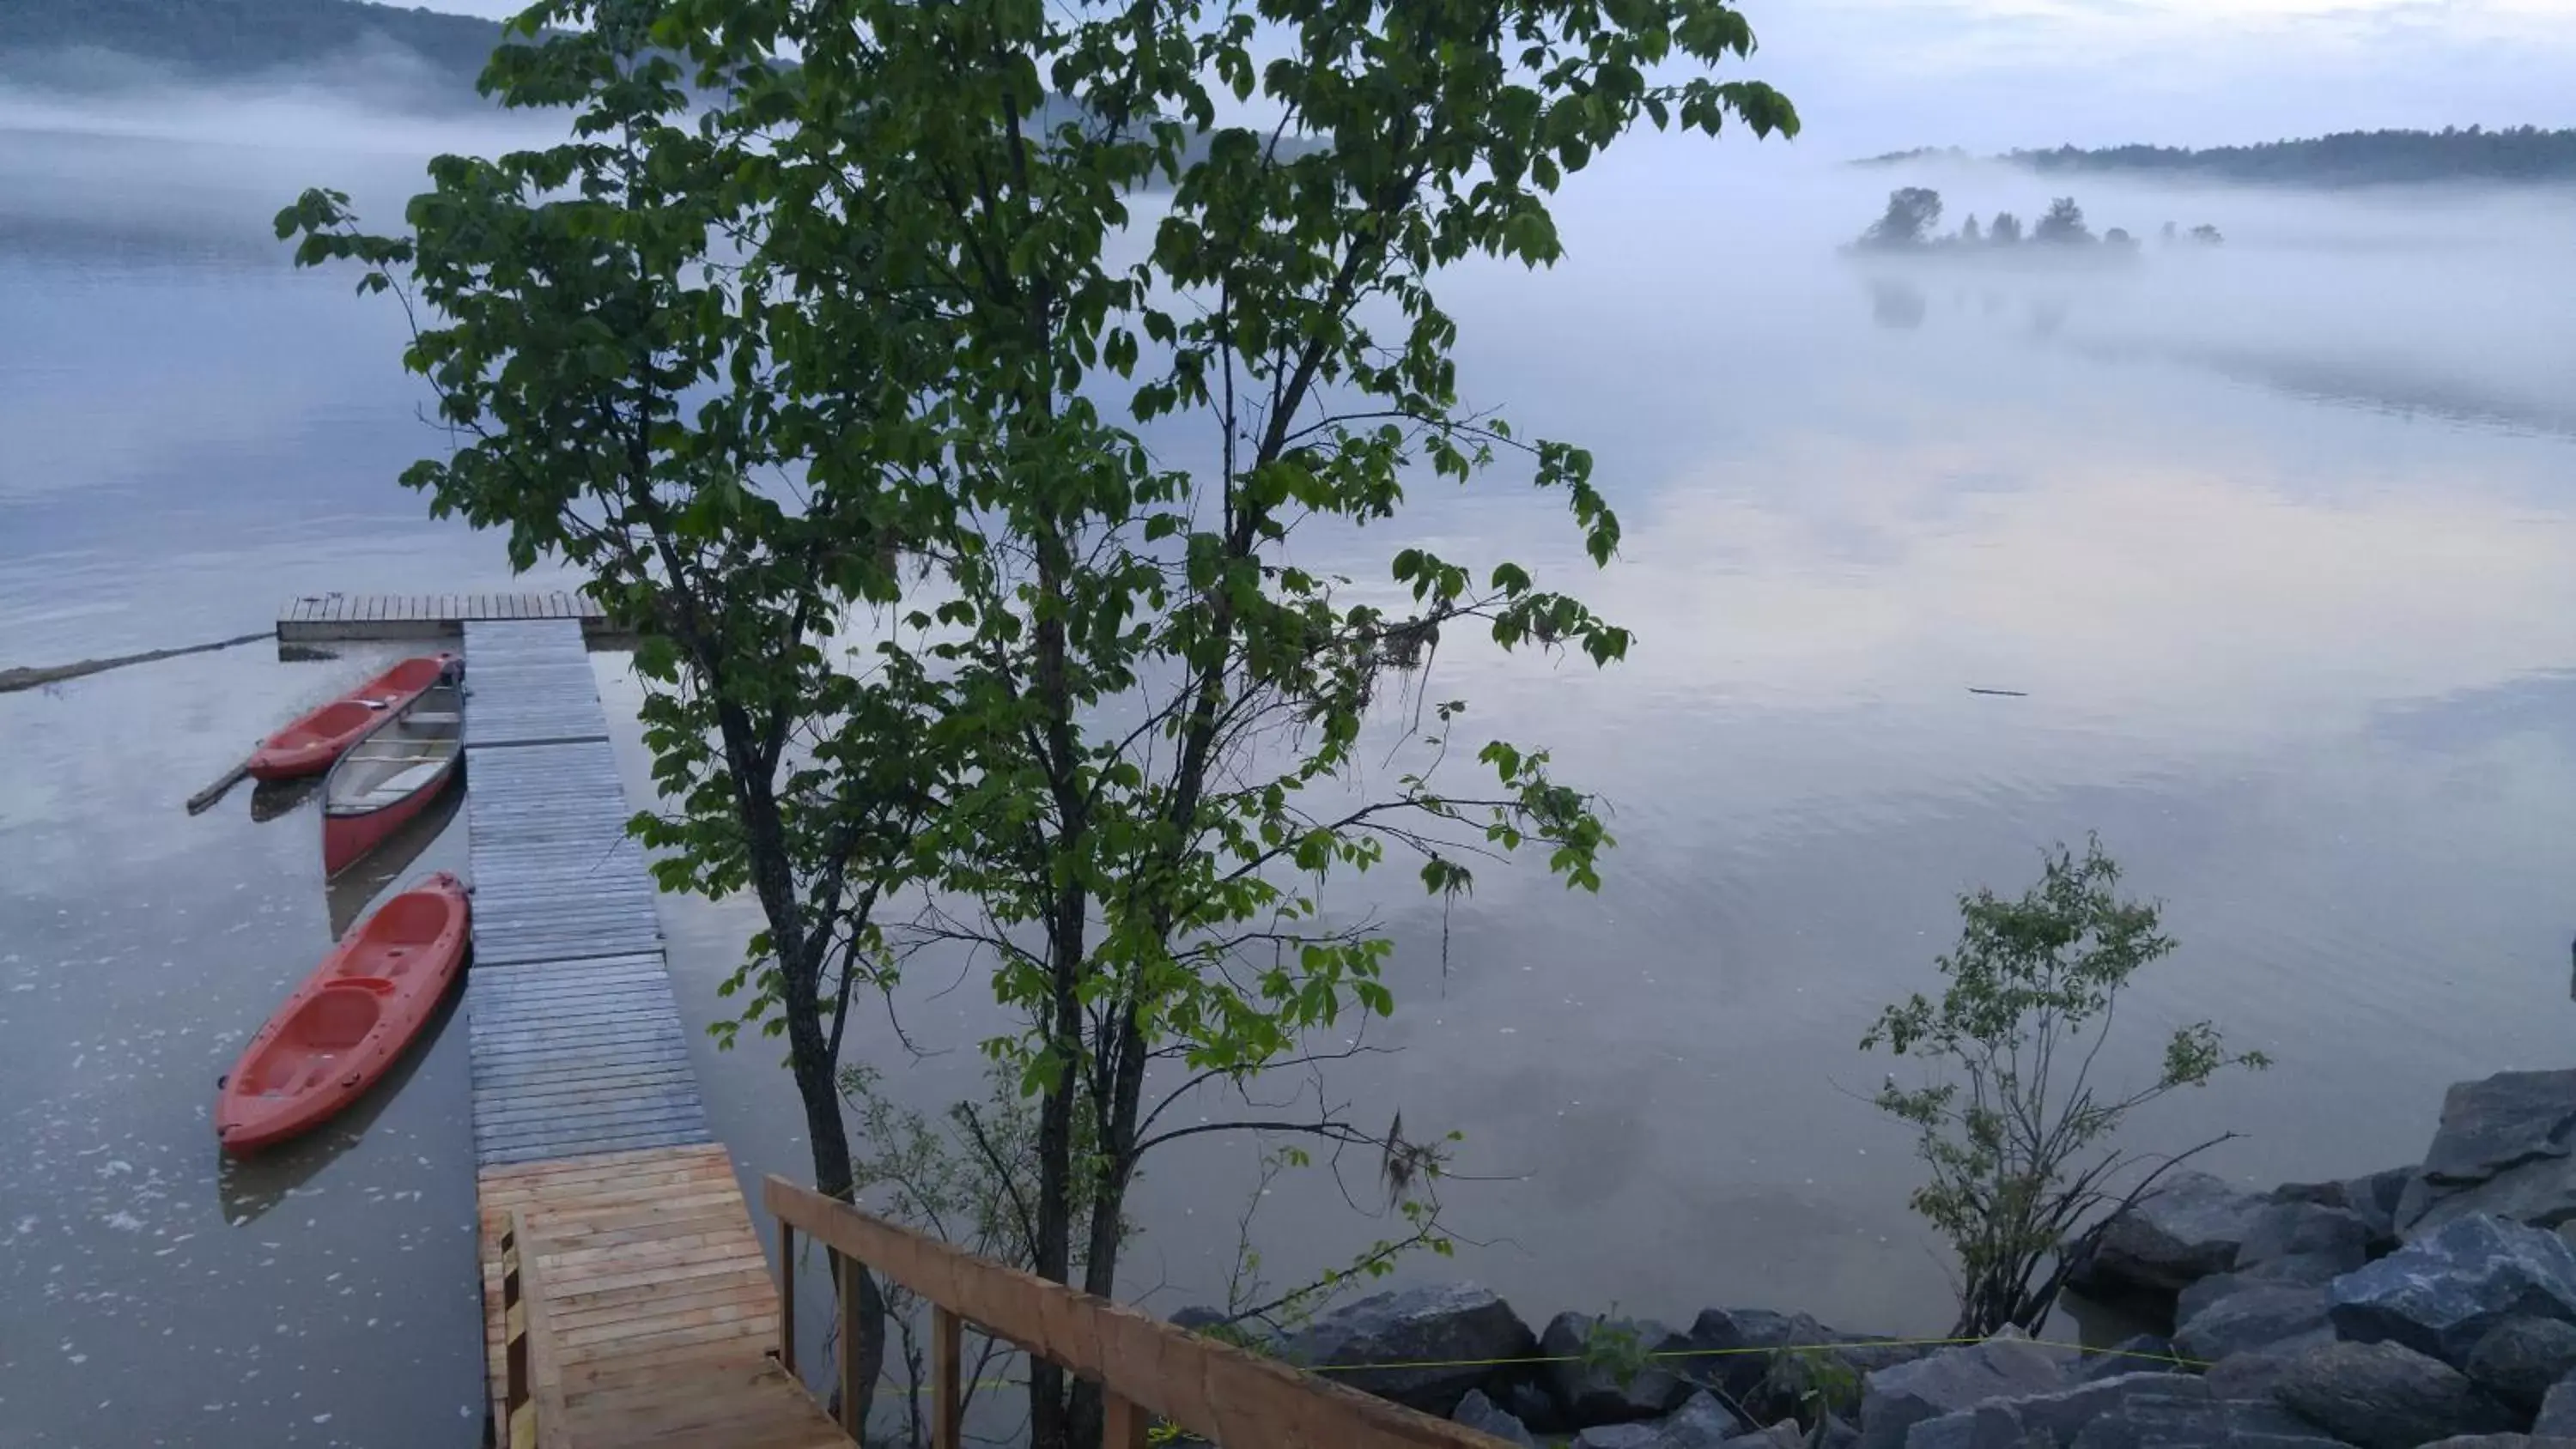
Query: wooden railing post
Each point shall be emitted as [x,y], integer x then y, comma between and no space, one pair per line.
[947,1358]
[1123,1424]
[845,1273]
[536,1409]
[517,1429]
[787,1297]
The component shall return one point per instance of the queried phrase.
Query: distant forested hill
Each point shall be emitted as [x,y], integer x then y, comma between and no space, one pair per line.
[2348,158]
[226,40]
[236,39]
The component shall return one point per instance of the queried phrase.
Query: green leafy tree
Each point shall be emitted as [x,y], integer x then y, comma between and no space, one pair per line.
[2016,1131]
[879,336]
[1969,235]
[2005,229]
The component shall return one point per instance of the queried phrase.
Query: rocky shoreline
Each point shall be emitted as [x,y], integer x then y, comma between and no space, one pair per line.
[2420,1306]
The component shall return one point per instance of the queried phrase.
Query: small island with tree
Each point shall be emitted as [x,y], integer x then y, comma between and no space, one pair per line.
[1911,227]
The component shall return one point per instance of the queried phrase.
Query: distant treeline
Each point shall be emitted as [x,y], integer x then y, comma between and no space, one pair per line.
[235,39]
[2347,158]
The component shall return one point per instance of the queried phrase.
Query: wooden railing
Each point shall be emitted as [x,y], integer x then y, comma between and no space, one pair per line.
[1147,1368]
[533,1406]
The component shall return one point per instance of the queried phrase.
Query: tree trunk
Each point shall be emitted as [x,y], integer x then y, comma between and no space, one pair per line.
[830,1136]
[1109,1200]
[1050,1424]
[800,949]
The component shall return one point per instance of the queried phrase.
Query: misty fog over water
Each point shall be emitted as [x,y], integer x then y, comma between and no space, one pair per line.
[2273,538]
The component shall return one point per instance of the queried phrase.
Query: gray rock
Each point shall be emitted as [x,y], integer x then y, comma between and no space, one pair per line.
[1589,1394]
[1721,1337]
[1831,1369]
[1619,1436]
[2520,1358]
[2374,1200]
[1197,1316]
[2482,1441]
[1894,1400]
[2323,1194]
[1446,1324]
[2386,1396]
[2503,1148]
[2251,1375]
[2185,1415]
[1526,1401]
[2502,1122]
[2254,1319]
[1838,1435]
[1784,1435]
[2440,1294]
[2305,1231]
[2190,1228]
[1723,1343]
[2142,1353]
[2557,1411]
[1480,1414]
[1987,1426]
[1700,1423]
[2063,1415]
[2299,1270]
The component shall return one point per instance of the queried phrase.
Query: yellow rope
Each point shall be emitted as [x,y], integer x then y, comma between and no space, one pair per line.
[1434,1363]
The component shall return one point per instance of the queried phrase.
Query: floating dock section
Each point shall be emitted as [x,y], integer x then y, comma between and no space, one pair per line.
[333,618]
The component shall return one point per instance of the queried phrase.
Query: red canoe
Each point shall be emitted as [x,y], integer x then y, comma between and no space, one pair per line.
[391,774]
[349,1021]
[308,746]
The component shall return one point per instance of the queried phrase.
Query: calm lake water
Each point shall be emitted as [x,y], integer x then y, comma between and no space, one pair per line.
[2275,541]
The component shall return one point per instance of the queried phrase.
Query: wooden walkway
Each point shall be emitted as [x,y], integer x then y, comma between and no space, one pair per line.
[656,1299]
[660,1313]
[329,618]
[577,1041]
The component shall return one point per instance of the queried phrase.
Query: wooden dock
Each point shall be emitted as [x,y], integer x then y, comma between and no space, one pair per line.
[347,618]
[652,1297]
[656,1303]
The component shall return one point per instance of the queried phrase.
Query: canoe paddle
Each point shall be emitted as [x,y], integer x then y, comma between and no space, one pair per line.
[199,802]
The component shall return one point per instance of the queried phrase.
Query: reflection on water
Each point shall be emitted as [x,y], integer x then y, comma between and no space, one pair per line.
[270,799]
[1896,303]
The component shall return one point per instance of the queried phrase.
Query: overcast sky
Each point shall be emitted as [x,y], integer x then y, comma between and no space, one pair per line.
[1876,75]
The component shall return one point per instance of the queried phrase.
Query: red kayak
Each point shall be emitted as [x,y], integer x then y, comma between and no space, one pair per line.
[308,746]
[349,1021]
[392,774]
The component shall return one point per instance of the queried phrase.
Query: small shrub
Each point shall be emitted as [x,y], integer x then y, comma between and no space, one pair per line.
[2015,1131]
